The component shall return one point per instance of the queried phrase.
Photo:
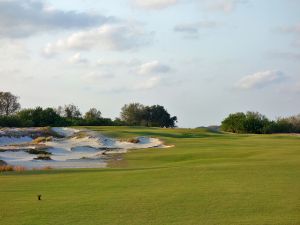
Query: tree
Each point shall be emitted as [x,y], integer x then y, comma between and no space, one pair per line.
[158,116]
[136,114]
[251,122]
[132,113]
[70,111]
[255,123]
[8,103]
[92,114]
[40,117]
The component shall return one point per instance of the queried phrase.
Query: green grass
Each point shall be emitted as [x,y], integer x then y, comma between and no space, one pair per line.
[207,178]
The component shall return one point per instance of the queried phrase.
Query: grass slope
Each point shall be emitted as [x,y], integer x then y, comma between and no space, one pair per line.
[207,178]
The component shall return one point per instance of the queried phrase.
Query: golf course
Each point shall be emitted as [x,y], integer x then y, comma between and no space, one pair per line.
[202,178]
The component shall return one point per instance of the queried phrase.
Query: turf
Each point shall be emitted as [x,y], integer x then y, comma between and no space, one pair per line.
[207,178]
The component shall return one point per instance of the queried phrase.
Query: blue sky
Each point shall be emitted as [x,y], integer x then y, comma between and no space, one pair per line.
[201,59]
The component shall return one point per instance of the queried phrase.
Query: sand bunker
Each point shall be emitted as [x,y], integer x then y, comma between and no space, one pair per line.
[69,148]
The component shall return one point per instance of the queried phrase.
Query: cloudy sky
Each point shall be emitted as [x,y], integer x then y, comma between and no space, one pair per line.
[201,59]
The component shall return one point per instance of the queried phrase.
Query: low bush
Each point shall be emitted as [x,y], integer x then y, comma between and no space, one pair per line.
[133,140]
[38,152]
[41,140]
[43,157]
[8,168]
[256,123]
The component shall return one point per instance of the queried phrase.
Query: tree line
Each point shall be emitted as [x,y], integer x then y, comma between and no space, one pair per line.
[256,123]
[134,114]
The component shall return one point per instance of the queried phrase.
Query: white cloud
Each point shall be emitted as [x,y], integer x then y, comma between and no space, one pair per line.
[193,28]
[148,84]
[77,59]
[224,5]
[117,63]
[153,67]
[293,30]
[13,49]
[107,37]
[154,4]
[96,77]
[260,79]
[23,18]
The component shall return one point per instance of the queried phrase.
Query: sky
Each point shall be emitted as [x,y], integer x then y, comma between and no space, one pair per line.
[201,59]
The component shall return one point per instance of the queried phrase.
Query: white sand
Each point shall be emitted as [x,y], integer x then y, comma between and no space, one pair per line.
[78,149]
[65,131]
[4,140]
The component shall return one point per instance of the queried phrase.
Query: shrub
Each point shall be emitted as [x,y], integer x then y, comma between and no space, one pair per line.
[6,168]
[43,157]
[253,122]
[133,140]
[38,152]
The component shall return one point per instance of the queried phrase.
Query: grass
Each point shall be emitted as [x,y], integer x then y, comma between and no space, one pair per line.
[207,178]
[6,168]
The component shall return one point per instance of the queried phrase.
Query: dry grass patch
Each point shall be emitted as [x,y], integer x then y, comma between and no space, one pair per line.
[7,168]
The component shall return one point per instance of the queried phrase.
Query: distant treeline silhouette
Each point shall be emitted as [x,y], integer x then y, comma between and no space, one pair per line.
[256,123]
[134,114]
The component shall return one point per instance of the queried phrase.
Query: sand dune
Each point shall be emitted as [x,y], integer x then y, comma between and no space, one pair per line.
[76,148]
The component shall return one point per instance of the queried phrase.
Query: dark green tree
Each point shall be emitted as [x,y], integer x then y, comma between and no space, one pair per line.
[132,114]
[92,114]
[8,103]
[69,111]
[251,122]
[136,114]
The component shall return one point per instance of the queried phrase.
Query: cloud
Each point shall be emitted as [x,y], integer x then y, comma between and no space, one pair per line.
[260,79]
[293,30]
[23,18]
[13,49]
[226,6]
[154,4]
[96,77]
[117,63]
[77,59]
[107,37]
[100,81]
[148,84]
[193,28]
[153,67]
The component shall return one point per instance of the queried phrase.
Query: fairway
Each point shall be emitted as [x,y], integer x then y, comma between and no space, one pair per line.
[207,178]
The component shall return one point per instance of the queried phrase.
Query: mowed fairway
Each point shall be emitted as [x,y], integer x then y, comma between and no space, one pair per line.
[207,178]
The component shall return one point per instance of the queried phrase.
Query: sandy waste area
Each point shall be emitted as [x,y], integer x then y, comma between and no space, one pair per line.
[61,147]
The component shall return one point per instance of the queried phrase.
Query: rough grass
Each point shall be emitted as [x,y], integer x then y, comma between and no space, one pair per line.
[6,168]
[207,178]
[40,140]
